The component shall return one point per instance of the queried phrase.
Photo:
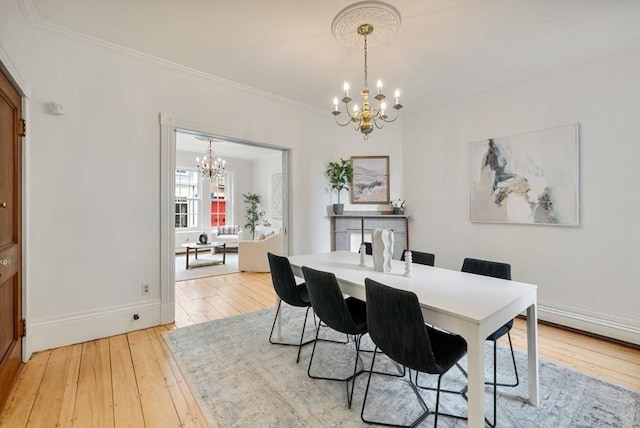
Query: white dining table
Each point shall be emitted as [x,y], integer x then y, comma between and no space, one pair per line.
[473,306]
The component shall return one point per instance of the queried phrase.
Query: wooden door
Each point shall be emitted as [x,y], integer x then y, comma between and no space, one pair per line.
[11,327]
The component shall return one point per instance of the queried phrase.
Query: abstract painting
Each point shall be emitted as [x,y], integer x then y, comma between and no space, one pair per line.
[529,178]
[370,180]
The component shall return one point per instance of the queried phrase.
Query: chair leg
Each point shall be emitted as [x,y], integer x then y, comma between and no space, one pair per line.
[513,358]
[420,418]
[435,422]
[355,370]
[448,391]
[313,351]
[304,326]
[274,322]
[300,344]
[515,368]
[366,391]
[347,379]
[495,384]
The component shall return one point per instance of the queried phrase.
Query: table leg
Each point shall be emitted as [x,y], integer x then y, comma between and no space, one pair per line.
[196,257]
[532,353]
[224,253]
[187,266]
[475,359]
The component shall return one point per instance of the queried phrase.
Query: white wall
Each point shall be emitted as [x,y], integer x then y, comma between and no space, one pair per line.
[588,276]
[94,193]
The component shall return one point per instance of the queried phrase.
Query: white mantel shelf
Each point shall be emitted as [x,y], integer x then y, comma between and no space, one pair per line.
[369,214]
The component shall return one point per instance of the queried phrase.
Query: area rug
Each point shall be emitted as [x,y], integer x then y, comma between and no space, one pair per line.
[241,380]
[183,274]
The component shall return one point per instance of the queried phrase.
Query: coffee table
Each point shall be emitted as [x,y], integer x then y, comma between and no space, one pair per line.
[204,262]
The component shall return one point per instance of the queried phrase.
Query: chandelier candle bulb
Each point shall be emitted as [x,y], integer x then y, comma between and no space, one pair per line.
[397,94]
[379,86]
[346,89]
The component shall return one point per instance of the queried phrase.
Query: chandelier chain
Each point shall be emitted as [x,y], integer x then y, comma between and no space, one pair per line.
[365,61]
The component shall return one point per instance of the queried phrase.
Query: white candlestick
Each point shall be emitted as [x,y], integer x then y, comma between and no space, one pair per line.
[408,260]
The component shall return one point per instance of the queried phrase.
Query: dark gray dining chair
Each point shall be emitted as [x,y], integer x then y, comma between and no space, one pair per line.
[288,291]
[421,258]
[502,271]
[348,316]
[397,328]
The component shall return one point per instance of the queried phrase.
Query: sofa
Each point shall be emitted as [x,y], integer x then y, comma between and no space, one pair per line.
[230,235]
[252,255]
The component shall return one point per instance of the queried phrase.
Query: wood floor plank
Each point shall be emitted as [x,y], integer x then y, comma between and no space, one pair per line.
[186,407]
[127,411]
[157,405]
[94,402]
[47,405]
[68,402]
[17,409]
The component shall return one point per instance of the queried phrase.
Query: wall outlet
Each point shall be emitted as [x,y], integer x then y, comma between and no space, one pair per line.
[145,288]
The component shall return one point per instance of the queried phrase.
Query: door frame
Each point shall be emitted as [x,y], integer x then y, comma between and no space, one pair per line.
[168,127]
[6,65]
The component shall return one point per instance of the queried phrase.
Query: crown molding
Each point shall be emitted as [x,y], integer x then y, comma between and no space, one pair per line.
[31,15]
[28,11]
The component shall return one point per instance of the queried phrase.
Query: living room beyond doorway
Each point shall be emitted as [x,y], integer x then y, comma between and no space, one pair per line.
[209,205]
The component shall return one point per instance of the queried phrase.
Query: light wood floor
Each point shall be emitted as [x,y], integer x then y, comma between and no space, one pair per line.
[132,379]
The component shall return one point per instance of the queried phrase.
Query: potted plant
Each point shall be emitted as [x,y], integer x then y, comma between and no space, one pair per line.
[253,214]
[340,174]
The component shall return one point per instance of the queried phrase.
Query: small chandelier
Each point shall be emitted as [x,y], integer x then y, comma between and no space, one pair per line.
[366,117]
[208,166]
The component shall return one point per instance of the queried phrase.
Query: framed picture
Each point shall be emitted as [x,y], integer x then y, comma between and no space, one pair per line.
[370,180]
[221,179]
[529,178]
[276,196]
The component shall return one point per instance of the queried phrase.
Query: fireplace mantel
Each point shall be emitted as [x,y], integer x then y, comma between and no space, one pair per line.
[353,222]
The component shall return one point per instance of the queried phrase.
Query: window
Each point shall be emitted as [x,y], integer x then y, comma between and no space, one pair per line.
[218,202]
[187,201]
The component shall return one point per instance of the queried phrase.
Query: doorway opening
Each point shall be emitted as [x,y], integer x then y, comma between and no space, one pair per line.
[213,209]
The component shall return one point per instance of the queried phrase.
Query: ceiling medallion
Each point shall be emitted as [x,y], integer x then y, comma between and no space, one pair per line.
[383,17]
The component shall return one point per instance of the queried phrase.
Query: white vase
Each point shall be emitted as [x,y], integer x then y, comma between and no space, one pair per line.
[382,248]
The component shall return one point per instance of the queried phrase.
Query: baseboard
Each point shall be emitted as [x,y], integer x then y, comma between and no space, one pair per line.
[82,327]
[618,329]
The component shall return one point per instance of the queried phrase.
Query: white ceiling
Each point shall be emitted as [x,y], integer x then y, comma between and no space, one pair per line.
[225,149]
[444,48]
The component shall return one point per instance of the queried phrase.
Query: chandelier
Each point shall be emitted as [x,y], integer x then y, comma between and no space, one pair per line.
[367,117]
[209,166]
